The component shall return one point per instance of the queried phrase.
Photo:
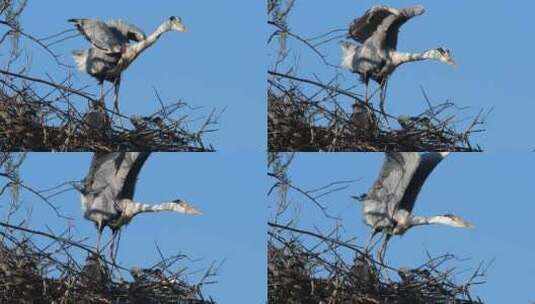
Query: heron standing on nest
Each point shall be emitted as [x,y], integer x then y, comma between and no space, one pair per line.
[110,52]
[377,57]
[108,193]
[387,207]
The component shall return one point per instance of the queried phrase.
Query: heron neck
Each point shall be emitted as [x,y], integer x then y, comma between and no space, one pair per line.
[131,208]
[134,50]
[421,220]
[401,57]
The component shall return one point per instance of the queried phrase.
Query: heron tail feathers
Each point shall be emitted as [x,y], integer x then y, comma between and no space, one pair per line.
[80,58]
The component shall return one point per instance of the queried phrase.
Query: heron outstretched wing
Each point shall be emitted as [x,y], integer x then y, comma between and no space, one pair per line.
[128,172]
[390,19]
[126,31]
[428,162]
[101,188]
[99,34]
[394,178]
[103,165]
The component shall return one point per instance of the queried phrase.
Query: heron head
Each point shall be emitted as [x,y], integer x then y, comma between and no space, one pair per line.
[176,24]
[444,55]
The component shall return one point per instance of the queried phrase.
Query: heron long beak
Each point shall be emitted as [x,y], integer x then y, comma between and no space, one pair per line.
[450,60]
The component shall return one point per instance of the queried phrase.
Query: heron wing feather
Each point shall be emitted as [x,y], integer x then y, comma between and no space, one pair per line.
[127,31]
[129,171]
[98,34]
[394,178]
[365,26]
[382,20]
[428,162]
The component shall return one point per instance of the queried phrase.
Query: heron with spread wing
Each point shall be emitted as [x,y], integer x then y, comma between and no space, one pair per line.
[387,207]
[377,57]
[108,193]
[111,50]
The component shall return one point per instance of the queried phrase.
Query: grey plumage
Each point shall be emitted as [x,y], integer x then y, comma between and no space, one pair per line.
[377,56]
[111,51]
[108,192]
[388,205]
[126,32]
[108,40]
[99,34]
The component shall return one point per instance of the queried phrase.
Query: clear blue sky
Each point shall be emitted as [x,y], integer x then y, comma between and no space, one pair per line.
[218,64]
[493,191]
[232,229]
[488,41]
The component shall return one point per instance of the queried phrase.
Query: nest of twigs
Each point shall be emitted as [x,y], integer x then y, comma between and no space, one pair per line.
[27,125]
[318,274]
[30,275]
[295,123]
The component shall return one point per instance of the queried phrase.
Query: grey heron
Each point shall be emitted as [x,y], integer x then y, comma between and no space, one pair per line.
[107,193]
[387,207]
[110,52]
[377,57]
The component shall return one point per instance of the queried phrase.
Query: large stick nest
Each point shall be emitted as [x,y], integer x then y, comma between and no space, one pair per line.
[29,274]
[30,125]
[299,273]
[298,121]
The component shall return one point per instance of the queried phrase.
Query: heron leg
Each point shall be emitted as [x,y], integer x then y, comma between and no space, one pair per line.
[117,85]
[366,94]
[112,245]
[101,95]
[382,250]
[99,235]
[117,246]
[382,97]
[369,244]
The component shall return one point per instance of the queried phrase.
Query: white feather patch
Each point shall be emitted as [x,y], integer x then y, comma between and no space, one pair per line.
[80,58]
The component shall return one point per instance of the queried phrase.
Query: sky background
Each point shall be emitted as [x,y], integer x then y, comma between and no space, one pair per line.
[219,64]
[493,191]
[232,229]
[487,39]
